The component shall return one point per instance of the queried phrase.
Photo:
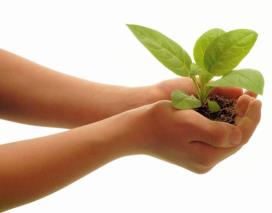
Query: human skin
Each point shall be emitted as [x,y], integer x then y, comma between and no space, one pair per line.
[31,169]
[33,94]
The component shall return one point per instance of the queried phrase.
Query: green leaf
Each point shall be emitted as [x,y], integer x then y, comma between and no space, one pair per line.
[202,44]
[181,100]
[205,77]
[200,48]
[226,51]
[167,51]
[194,69]
[249,79]
[213,106]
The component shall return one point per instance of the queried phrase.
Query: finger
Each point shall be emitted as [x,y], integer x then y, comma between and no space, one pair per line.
[216,134]
[241,107]
[242,104]
[252,94]
[229,92]
[184,84]
[250,120]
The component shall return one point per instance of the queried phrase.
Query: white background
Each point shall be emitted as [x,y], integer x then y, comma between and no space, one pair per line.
[89,39]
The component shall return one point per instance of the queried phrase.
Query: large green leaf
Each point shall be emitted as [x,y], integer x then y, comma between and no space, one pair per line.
[167,51]
[202,44]
[181,100]
[226,51]
[245,78]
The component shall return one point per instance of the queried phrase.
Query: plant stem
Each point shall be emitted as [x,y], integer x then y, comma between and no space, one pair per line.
[198,89]
[206,94]
[205,90]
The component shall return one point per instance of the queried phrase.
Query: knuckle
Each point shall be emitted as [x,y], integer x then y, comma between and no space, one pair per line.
[206,160]
[159,109]
[160,105]
[190,120]
[201,170]
[218,133]
[258,114]
[187,120]
[157,115]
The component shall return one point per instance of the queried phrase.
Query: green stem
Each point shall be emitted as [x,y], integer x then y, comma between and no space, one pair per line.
[198,89]
[207,92]
[202,90]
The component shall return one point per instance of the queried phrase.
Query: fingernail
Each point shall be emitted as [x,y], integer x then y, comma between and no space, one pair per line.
[235,137]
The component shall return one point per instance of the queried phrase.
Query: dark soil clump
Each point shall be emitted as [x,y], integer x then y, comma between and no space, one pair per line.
[227,112]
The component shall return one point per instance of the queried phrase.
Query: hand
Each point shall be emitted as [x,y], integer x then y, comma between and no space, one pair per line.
[165,88]
[188,139]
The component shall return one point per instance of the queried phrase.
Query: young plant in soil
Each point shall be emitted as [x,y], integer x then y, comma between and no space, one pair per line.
[216,54]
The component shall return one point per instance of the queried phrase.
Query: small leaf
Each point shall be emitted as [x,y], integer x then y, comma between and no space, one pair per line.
[226,51]
[249,79]
[167,51]
[213,106]
[202,44]
[181,100]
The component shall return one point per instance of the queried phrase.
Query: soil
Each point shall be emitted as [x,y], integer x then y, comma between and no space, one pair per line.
[227,112]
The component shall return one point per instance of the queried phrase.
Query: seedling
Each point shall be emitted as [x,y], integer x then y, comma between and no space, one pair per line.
[216,54]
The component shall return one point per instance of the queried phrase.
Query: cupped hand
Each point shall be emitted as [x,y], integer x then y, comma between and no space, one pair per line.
[185,137]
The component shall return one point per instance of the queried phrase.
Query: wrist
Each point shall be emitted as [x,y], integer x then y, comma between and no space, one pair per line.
[128,131]
[139,96]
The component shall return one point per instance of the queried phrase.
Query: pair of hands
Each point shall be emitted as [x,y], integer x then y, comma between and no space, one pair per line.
[185,137]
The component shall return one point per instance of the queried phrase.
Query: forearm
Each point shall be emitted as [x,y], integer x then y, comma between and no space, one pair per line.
[33,168]
[33,94]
